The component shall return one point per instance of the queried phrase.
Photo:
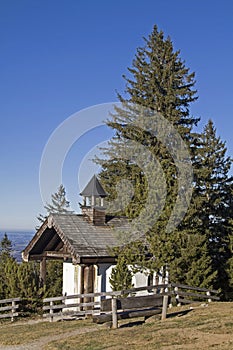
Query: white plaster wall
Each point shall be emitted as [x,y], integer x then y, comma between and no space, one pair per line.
[140,279]
[71,282]
[68,279]
[108,275]
[103,272]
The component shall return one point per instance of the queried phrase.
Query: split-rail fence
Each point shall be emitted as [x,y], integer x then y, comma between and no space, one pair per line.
[9,308]
[112,306]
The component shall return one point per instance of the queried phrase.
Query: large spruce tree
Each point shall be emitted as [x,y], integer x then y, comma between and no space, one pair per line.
[159,82]
[197,249]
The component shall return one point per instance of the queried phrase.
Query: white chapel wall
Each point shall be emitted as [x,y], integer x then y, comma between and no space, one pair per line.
[71,281]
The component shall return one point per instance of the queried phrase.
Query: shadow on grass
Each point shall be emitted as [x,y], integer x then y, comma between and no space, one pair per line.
[131,324]
[158,317]
[179,313]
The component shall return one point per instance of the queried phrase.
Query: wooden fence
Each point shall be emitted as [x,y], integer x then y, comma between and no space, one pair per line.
[187,294]
[85,304]
[9,310]
[157,297]
[90,304]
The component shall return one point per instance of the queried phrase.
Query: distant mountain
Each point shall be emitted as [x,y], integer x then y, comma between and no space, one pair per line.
[19,241]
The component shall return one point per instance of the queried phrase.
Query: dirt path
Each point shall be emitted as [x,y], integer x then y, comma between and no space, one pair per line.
[39,343]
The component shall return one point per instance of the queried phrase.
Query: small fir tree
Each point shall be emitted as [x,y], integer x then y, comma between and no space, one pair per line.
[121,276]
[54,273]
[5,247]
[5,258]
[59,204]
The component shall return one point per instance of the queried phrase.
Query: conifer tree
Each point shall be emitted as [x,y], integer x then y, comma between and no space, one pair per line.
[192,265]
[5,247]
[54,272]
[59,204]
[121,276]
[214,193]
[159,81]
[23,279]
[230,263]
[197,250]
[29,286]
[5,257]
[18,280]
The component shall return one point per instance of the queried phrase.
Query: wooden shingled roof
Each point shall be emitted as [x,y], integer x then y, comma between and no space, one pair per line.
[70,236]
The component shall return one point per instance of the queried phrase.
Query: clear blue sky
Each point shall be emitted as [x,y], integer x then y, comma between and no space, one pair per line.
[59,57]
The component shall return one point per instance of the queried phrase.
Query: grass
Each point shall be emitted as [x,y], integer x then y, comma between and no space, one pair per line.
[202,328]
[25,332]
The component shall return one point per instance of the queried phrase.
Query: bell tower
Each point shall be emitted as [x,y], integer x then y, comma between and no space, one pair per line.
[93,202]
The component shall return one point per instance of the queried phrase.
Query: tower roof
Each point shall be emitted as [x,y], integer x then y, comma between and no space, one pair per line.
[94,188]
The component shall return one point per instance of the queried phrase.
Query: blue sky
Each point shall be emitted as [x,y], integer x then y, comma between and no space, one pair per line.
[59,57]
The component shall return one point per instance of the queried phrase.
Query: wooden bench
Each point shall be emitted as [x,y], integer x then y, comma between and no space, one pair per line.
[115,309]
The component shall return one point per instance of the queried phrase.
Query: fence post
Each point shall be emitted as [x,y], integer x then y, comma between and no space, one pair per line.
[12,310]
[51,311]
[164,309]
[208,293]
[114,313]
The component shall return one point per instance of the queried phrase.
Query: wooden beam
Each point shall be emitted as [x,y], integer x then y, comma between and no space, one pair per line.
[88,283]
[154,300]
[61,245]
[50,255]
[53,242]
[96,260]
[54,254]
[88,279]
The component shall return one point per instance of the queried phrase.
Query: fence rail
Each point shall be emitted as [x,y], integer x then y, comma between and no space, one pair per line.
[87,304]
[11,306]
[90,303]
[188,294]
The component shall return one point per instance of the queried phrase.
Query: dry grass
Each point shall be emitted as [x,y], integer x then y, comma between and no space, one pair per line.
[25,332]
[200,329]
